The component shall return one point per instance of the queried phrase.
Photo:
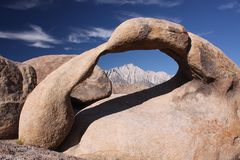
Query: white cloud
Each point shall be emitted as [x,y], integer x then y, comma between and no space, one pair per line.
[81,0]
[27,4]
[124,15]
[84,35]
[162,3]
[205,33]
[68,48]
[37,37]
[72,49]
[41,45]
[231,5]
[99,33]
[172,19]
[78,38]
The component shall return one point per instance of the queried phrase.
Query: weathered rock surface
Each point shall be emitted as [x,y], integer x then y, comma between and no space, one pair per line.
[178,125]
[95,87]
[128,88]
[12,151]
[16,82]
[50,120]
[44,65]
[195,115]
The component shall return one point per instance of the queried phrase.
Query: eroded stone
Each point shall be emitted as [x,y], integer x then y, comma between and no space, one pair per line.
[16,82]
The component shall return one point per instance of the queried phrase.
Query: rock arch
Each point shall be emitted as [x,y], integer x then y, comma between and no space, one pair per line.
[47,115]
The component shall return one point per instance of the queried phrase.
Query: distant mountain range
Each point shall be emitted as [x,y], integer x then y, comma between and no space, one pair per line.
[130,78]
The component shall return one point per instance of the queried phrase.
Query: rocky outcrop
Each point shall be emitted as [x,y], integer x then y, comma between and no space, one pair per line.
[195,115]
[139,126]
[16,152]
[16,82]
[129,78]
[49,122]
[128,88]
[44,65]
[95,87]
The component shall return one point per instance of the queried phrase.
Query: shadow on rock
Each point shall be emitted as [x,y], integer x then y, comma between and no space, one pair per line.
[84,118]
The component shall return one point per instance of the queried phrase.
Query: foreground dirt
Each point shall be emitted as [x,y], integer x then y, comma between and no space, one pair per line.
[12,151]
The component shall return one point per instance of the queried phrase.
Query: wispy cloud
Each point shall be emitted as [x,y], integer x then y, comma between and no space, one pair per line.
[36,37]
[172,19]
[161,3]
[72,48]
[81,0]
[41,45]
[84,35]
[68,48]
[205,33]
[27,4]
[124,15]
[233,5]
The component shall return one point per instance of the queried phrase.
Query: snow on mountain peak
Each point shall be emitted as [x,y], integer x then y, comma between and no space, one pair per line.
[131,74]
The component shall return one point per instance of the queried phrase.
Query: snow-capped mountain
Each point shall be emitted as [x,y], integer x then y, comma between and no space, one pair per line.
[131,75]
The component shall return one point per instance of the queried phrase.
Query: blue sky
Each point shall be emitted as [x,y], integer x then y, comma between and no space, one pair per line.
[31,28]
